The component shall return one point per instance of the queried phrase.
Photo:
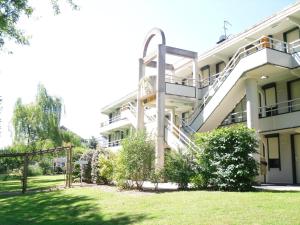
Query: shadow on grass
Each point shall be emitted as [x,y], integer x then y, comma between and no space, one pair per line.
[58,208]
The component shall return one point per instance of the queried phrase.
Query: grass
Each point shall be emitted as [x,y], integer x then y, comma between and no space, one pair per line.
[93,206]
[37,182]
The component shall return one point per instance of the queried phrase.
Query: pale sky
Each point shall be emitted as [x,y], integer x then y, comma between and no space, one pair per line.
[89,57]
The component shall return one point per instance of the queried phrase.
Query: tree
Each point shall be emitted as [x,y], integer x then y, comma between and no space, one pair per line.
[10,13]
[92,143]
[39,121]
[136,159]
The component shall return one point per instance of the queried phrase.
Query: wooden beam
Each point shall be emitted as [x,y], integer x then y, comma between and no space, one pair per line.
[37,152]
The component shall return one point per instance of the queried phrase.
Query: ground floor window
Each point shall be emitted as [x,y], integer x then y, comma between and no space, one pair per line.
[273,151]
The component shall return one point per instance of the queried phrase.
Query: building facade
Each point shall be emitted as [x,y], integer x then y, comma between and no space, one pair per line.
[251,78]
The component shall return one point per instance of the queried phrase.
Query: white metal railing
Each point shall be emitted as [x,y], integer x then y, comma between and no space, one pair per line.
[186,127]
[242,52]
[111,120]
[188,81]
[129,106]
[207,81]
[265,111]
[182,137]
[280,108]
[236,117]
[294,46]
[113,143]
[180,80]
[132,109]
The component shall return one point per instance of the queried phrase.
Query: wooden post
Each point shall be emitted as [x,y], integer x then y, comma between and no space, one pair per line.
[69,168]
[25,174]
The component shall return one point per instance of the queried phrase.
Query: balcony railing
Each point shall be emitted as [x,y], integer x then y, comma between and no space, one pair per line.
[236,117]
[280,108]
[114,143]
[180,80]
[265,111]
[294,46]
[111,120]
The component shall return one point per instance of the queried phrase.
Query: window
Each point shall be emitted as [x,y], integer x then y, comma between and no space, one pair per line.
[184,81]
[291,35]
[184,116]
[205,72]
[273,151]
[220,67]
[271,99]
[294,95]
[110,116]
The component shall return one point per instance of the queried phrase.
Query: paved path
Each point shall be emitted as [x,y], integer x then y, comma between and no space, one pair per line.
[272,187]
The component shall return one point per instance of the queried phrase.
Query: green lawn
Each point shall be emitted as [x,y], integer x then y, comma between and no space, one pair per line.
[91,206]
[38,182]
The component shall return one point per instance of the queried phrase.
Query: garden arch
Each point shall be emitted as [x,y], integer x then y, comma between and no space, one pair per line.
[26,155]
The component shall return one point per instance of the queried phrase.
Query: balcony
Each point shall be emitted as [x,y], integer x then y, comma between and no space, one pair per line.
[283,115]
[113,123]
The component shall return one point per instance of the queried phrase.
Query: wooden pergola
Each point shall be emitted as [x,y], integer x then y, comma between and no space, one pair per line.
[26,155]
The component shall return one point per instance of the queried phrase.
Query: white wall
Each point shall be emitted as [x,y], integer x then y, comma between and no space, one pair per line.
[285,175]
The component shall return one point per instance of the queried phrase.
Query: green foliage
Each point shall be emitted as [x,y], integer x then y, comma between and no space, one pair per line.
[226,161]
[46,165]
[92,143]
[178,168]
[69,137]
[107,163]
[35,170]
[136,159]
[156,177]
[95,174]
[11,11]
[38,122]
[87,169]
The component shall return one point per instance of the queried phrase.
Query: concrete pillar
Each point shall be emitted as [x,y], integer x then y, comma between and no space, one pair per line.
[173,115]
[140,107]
[252,114]
[160,108]
[196,77]
[263,103]
[252,103]
[196,80]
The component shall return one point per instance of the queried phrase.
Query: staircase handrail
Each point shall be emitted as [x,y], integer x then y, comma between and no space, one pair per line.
[261,43]
[182,136]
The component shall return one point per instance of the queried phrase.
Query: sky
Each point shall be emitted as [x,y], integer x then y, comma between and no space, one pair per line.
[89,57]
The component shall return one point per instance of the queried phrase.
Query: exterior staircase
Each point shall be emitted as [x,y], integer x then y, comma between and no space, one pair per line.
[228,88]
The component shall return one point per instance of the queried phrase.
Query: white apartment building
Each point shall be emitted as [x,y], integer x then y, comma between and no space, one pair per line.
[251,78]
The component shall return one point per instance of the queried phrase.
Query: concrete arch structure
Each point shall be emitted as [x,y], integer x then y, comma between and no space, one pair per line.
[157,60]
[152,33]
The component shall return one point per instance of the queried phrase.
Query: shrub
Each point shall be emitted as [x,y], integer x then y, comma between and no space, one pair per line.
[107,163]
[136,160]
[46,165]
[178,168]
[95,175]
[35,170]
[77,153]
[156,177]
[226,161]
[87,169]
